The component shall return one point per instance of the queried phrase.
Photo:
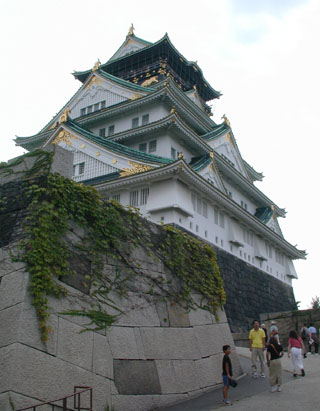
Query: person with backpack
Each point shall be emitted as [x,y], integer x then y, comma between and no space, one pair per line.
[273,356]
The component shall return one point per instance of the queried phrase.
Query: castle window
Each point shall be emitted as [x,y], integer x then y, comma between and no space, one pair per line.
[111,130]
[221,219]
[199,205]
[190,225]
[89,109]
[197,228]
[96,106]
[134,198]
[143,147]
[193,200]
[205,209]
[135,122]
[102,132]
[173,153]
[83,112]
[103,104]
[221,243]
[144,194]
[216,215]
[81,168]
[217,239]
[152,146]
[206,233]
[145,119]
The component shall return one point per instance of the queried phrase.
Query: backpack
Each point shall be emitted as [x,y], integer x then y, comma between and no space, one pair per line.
[304,333]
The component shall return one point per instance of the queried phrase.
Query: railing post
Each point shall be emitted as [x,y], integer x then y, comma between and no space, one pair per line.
[64,404]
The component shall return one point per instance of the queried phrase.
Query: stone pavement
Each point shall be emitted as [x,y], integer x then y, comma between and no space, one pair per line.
[254,394]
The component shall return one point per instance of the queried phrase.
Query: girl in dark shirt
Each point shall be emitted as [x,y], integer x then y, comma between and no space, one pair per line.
[273,356]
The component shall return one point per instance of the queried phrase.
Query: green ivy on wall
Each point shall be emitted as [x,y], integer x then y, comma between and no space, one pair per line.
[55,201]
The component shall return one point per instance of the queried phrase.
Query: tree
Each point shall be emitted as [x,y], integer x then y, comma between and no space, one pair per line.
[315,303]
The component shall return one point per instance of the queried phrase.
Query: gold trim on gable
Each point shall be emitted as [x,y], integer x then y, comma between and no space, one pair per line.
[65,137]
[136,168]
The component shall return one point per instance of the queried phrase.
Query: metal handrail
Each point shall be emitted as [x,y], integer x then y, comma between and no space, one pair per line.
[76,401]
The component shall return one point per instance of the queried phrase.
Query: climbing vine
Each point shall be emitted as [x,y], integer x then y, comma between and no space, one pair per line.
[108,230]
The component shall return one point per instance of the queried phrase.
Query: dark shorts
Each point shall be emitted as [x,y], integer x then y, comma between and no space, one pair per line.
[225,380]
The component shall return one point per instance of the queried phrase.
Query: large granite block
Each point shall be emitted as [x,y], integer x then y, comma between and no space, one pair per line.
[13,288]
[163,314]
[178,316]
[12,401]
[20,323]
[167,377]
[102,361]
[207,371]
[210,339]
[136,377]
[74,345]
[45,377]
[187,375]
[123,344]
[170,343]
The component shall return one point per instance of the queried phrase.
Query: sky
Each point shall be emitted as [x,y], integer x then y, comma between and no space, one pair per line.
[263,55]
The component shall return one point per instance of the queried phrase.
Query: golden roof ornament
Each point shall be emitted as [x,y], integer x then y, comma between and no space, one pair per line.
[225,120]
[64,116]
[173,110]
[96,65]
[131,29]
[180,156]
[211,154]
[136,168]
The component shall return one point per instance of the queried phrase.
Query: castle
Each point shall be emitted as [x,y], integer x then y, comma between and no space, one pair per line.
[142,133]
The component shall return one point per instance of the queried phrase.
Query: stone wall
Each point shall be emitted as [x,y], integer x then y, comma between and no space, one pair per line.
[154,355]
[291,320]
[250,292]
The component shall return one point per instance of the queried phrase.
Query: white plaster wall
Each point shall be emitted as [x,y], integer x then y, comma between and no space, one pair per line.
[124,122]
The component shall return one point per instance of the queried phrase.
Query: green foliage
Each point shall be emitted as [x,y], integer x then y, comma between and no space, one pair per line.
[196,264]
[315,303]
[55,202]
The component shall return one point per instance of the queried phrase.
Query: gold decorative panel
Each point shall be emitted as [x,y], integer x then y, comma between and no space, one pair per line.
[136,168]
[65,137]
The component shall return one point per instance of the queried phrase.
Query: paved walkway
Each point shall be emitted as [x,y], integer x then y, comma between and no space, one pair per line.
[301,393]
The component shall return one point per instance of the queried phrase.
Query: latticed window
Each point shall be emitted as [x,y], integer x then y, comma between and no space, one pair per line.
[96,106]
[193,200]
[81,168]
[152,146]
[83,112]
[205,209]
[216,215]
[143,147]
[135,122]
[89,109]
[111,130]
[134,198]
[144,194]
[173,153]
[102,132]
[103,104]
[145,119]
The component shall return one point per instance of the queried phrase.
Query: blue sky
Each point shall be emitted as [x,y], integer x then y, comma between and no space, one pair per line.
[262,55]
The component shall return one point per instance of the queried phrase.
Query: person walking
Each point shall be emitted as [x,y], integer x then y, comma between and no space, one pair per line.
[257,339]
[273,357]
[314,338]
[295,350]
[304,334]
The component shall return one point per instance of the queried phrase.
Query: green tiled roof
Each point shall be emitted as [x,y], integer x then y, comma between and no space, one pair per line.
[101,179]
[82,75]
[217,131]
[264,214]
[198,163]
[116,147]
